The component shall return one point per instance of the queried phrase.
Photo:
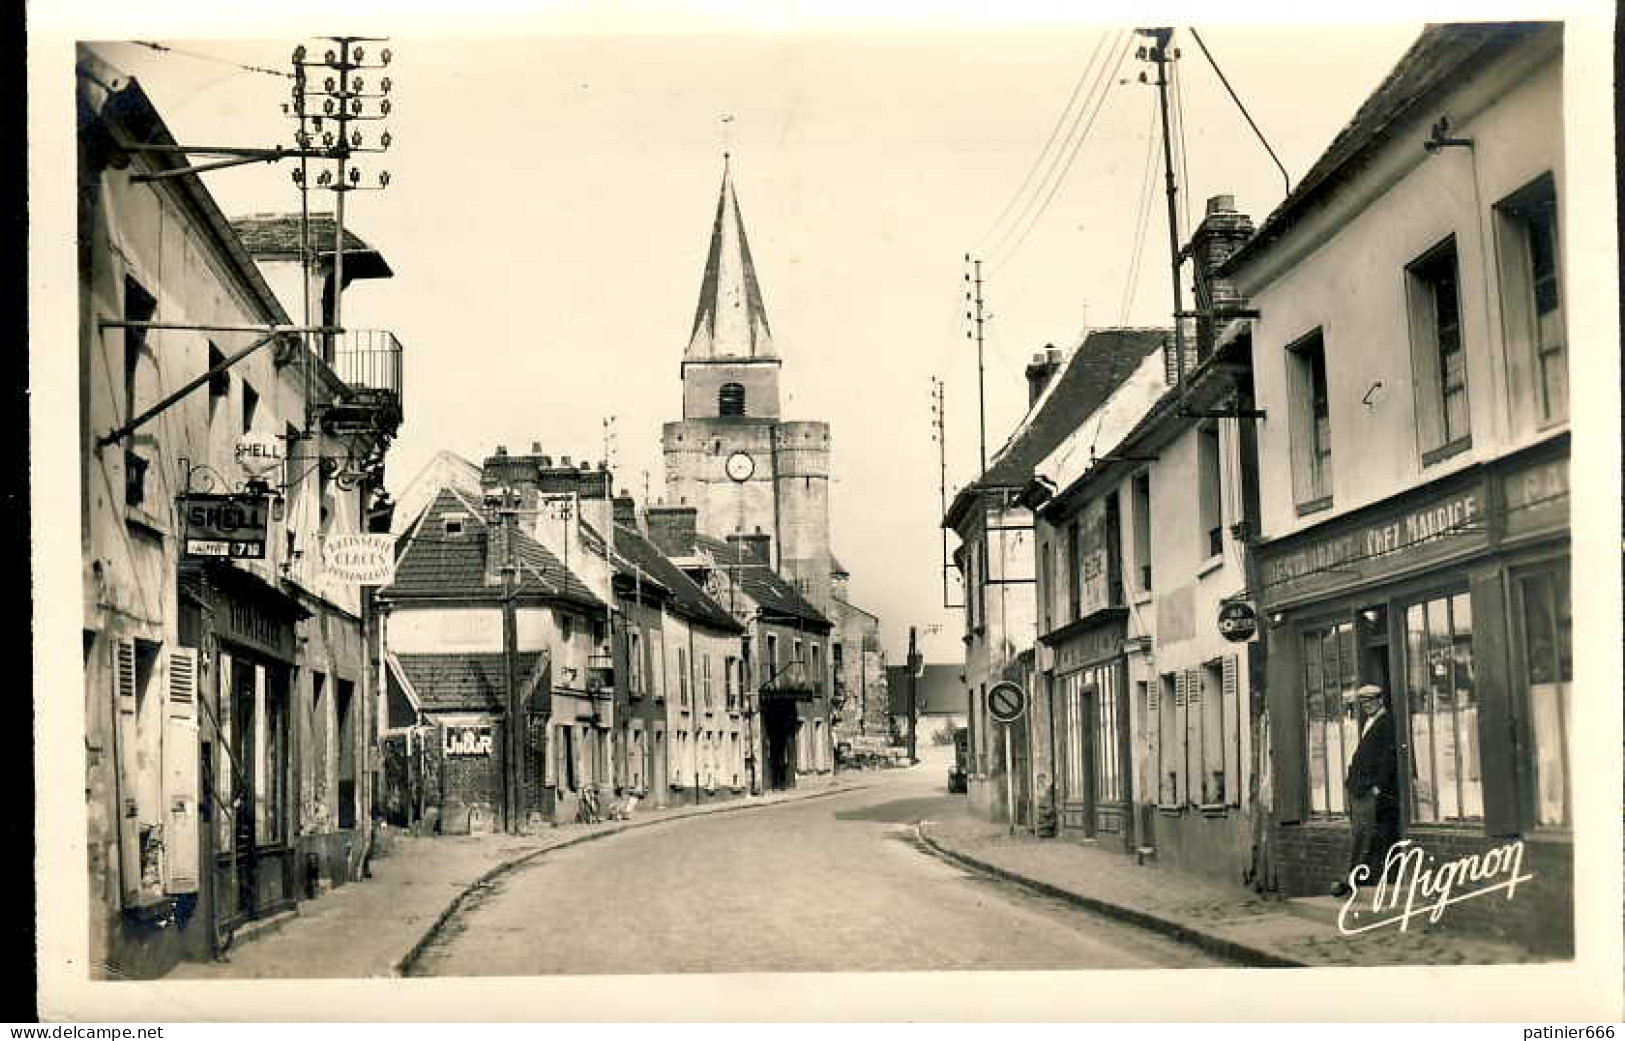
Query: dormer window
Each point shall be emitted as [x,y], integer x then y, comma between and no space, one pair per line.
[454,524]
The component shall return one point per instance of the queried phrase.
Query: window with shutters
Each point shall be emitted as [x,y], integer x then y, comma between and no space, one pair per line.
[1439,354]
[1140,519]
[634,662]
[1170,739]
[1211,729]
[817,667]
[1532,296]
[682,677]
[1442,692]
[1545,621]
[705,678]
[138,740]
[1209,491]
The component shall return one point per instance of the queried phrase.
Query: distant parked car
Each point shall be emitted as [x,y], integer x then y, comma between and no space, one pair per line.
[957,773]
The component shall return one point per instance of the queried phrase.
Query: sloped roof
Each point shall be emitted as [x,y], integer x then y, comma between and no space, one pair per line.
[434,564]
[1095,368]
[277,234]
[941,692]
[762,584]
[1441,56]
[688,599]
[463,682]
[730,320]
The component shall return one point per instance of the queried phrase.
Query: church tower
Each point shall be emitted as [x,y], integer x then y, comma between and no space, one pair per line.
[731,456]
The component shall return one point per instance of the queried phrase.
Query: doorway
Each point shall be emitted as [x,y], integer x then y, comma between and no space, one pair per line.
[779,725]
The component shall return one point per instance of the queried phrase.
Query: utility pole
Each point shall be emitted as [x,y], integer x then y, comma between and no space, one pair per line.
[1159,53]
[981,370]
[512,776]
[913,694]
[939,434]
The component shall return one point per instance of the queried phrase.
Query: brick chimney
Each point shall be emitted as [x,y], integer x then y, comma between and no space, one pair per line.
[671,529]
[626,511]
[1045,365]
[1221,233]
[751,548]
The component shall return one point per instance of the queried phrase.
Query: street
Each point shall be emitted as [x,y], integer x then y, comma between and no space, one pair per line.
[834,884]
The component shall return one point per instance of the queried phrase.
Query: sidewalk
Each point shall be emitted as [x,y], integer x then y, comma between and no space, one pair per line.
[369,927]
[1230,921]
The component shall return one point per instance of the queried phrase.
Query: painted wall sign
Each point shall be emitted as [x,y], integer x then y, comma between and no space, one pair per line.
[1094,591]
[1405,537]
[1537,498]
[363,560]
[225,525]
[468,740]
[258,452]
[1238,621]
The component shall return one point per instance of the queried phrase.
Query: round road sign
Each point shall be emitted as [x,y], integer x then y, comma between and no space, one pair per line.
[1006,702]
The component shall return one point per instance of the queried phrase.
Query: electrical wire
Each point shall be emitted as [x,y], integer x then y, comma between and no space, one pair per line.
[1099,96]
[1181,148]
[1142,214]
[1245,114]
[164,49]
[1038,160]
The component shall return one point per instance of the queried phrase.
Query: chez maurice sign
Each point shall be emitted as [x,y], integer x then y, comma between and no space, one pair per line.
[1399,539]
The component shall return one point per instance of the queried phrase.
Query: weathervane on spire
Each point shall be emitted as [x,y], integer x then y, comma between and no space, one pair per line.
[725,119]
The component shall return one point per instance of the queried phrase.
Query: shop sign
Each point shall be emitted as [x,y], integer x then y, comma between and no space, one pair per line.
[1537,498]
[468,740]
[258,453]
[1238,621]
[1402,539]
[1091,645]
[225,525]
[362,560]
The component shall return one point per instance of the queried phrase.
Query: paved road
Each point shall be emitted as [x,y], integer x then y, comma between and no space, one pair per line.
[833,884]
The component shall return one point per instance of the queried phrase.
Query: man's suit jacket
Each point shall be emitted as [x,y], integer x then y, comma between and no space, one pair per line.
[1376,758]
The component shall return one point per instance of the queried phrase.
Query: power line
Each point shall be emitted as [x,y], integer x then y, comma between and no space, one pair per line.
[1060,120]
[1245,114]
[1102,88]
[1142,215]
[163,49]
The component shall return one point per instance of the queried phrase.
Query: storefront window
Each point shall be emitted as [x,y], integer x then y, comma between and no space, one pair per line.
[1543,600]
[1446,784]
[1108,766]
[1072,723]
[1330,679]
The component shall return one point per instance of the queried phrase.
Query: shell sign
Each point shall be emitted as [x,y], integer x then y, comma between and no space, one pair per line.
[363,560]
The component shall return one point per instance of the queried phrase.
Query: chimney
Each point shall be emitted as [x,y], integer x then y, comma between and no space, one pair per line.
[753,548]
[535,448]
[671,529]
[626,511]
[1221,233]
[1045,365]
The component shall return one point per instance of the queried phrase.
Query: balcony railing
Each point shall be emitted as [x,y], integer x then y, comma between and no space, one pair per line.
[369,363]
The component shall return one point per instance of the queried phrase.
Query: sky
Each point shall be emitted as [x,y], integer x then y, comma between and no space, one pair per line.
[552,193]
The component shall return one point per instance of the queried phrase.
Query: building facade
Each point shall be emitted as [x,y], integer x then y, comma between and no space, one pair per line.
[230,677]
[1411,353]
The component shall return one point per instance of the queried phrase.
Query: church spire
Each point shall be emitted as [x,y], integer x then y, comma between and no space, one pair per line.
[730,321]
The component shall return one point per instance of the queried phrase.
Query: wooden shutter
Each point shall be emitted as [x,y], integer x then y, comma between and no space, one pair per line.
[1233,711]
[181,773]
[1284,693]
[1153,734]
[128,814]
[1500,766]
[1190,718]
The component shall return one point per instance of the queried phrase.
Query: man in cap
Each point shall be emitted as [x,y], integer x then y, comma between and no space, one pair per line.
[1373,778]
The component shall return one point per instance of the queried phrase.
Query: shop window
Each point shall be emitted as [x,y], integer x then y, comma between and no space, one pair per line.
[1170,741]
[1532,296]
[1140,519]
[1311,424]
[1439,354]
[1330,679]
[271,777]
[1546,623]
[1446,784]
[1210,510]
[1075,728]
